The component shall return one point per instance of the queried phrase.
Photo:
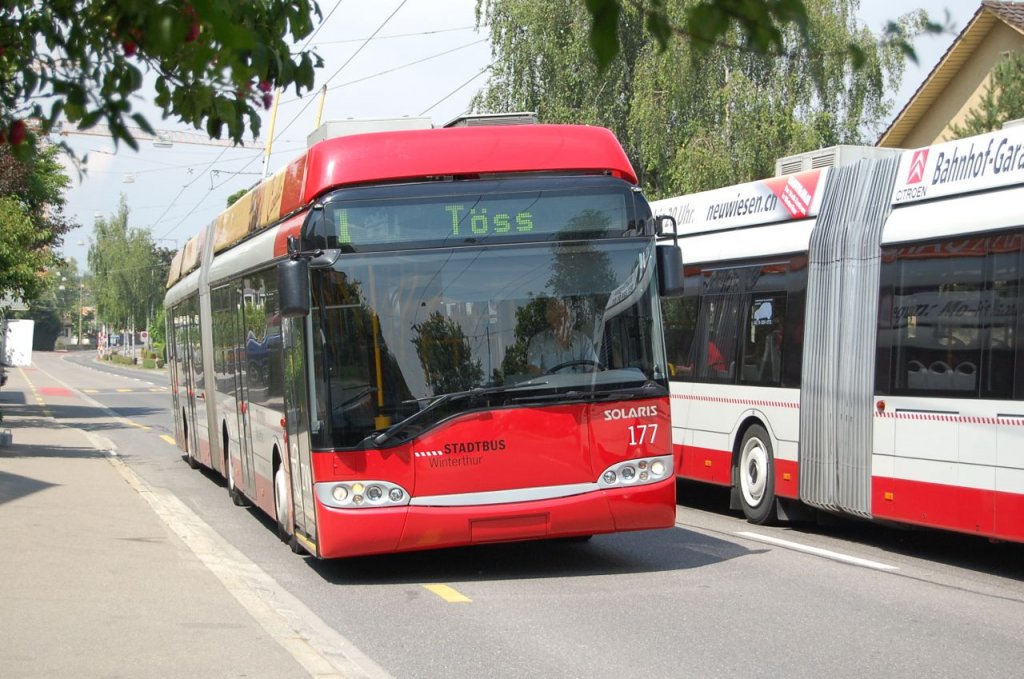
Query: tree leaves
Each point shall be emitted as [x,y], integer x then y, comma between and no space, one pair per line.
[32,219]
[759,26]
[129,272]
[1002,99]
[54,52]
[696,113]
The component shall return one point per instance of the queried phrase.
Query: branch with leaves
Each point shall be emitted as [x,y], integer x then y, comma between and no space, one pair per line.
[214,63]
[761,26]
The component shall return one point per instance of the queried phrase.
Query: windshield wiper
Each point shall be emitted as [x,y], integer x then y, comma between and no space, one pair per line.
[379,439]
[648,389]
[436,410]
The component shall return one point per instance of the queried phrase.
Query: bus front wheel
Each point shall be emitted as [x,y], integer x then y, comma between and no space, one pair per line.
[756,476]
[281,512]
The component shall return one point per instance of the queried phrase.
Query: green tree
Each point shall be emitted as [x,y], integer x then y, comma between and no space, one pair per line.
[54,308]
[756,26]
[233,198]
[693,117]
[1003,99]
[214,62]
[128,273]
[32,220]
[23,253]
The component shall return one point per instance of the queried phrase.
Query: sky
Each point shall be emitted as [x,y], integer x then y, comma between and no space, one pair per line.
[425,59]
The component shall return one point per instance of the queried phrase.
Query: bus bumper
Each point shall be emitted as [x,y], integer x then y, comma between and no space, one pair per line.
[359,532]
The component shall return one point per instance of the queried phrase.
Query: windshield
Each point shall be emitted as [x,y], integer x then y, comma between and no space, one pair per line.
[402,340]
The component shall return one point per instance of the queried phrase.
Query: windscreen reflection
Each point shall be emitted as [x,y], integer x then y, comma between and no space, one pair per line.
[402,341]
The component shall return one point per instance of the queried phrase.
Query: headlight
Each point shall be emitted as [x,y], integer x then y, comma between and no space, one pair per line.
[636,472]
[360,494]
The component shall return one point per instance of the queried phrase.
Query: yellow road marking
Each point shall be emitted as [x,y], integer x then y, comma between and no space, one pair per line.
[448,594]
[125,391]
[136,424]
[169,439]
[91,391]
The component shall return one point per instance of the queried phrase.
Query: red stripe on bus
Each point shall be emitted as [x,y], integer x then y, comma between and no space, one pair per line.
[756,403]
[990,513]
[715,466]
[959,419]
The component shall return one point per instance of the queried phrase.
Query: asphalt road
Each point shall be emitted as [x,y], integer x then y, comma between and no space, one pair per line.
[712,597]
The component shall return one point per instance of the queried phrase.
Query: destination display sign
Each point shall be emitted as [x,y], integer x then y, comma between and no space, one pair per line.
[478,217]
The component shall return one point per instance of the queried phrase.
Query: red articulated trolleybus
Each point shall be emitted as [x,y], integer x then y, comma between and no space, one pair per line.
[851,339]
[427,338]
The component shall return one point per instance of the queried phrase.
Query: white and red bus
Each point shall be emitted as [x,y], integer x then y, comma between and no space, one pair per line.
[851,339]
[351,342]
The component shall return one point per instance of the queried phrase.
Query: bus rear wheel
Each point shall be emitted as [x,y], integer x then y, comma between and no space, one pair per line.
[236,495]
[756,476]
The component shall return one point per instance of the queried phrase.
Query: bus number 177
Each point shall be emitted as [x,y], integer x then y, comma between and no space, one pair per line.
[638,432]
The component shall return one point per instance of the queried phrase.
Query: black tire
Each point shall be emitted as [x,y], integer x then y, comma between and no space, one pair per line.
[755,476]
[192,462]
[236,495]
[576,539]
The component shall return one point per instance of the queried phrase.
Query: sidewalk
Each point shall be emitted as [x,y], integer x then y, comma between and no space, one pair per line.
[92,582]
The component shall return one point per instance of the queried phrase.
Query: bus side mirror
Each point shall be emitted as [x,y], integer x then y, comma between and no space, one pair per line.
[293,287]
[663,224]
[670,270]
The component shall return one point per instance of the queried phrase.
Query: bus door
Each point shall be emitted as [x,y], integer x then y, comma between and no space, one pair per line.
[174,370]
[189,338]
[242,378]
[298,458]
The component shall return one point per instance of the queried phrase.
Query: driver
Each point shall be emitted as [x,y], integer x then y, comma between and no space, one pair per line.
[560,346]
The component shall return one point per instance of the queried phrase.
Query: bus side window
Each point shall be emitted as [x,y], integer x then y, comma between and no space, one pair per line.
[762,341]
[714,347]
[680,321]
[954,316]
[1000,316]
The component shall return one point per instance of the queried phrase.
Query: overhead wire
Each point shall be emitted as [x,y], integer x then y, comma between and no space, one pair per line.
[445,97]
[296,116]
[399,35]
[340,68]
[312,35]
[291,122]
[392,70]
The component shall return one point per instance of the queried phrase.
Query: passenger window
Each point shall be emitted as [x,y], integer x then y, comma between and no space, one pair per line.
[954,316]
[762,340]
